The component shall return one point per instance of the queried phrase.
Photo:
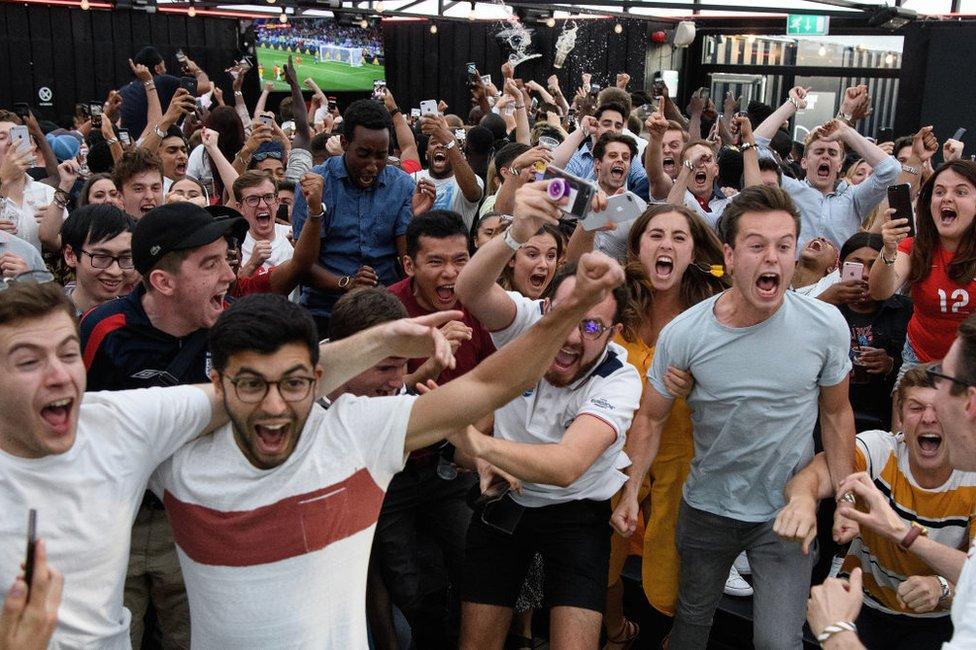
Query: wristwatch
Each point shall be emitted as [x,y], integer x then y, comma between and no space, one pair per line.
[915,171]
[689,165]
[746,146]
[885,260]
[317,216]
[344,281]
[945,587]
[451,144]
[159,132]
[847,117]
[915,531]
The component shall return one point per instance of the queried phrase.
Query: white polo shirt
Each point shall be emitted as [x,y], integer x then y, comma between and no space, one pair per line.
[716,204]
[610,391]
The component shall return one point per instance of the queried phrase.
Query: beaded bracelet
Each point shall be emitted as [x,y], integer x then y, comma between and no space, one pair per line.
[836,628]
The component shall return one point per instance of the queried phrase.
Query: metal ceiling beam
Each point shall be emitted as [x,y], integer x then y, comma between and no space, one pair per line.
[656,4]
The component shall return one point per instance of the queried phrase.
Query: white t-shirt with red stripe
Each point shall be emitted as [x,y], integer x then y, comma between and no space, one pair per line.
[277,558]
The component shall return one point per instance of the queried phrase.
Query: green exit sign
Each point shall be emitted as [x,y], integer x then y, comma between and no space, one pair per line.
[807,25]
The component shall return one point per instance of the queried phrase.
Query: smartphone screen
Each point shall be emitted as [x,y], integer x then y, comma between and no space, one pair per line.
[900,199]
[190,84]
[961,131]
[31,544]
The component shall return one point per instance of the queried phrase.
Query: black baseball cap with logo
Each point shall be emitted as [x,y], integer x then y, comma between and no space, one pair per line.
[179,227]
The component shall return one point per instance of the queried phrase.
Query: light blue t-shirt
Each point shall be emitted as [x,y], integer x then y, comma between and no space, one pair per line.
[755,399]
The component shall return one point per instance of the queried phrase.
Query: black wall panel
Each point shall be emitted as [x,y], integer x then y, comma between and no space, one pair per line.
[938,82]
[81,55]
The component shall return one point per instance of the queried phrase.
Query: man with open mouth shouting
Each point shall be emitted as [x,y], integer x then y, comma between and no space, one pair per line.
[907,600]
[563,438]
[766,363]
[828,207]
[458,188]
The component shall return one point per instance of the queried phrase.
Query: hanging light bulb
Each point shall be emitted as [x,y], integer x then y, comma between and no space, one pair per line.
[618,29]
[473,14]
[433,29]
[271,2]
[822,51]
[379,7]
[364,23]
[550,22]
[84,5]
[889,58]
[282,17]
[191,12]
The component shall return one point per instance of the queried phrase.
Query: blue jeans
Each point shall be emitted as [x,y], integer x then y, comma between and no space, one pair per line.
[908,361]
[707,545]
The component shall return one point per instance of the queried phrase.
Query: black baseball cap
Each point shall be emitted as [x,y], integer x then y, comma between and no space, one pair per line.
[180,227]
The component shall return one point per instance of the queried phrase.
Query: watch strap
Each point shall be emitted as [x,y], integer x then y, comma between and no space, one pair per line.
[914,531]
[510,240]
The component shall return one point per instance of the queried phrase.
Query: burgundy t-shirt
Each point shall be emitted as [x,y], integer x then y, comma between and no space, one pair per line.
[468,355]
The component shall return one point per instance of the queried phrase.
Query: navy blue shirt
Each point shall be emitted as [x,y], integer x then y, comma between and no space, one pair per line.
[135,106]
[360,226]
[122,349]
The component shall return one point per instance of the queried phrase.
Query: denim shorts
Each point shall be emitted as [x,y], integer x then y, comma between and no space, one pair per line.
[908,361]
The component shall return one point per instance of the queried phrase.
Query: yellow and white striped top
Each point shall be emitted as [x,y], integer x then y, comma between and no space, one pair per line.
[947,512]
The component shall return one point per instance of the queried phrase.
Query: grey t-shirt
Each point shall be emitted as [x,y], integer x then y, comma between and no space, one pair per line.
[755,399]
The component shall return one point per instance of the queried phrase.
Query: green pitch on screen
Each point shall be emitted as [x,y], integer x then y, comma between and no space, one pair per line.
[329,76]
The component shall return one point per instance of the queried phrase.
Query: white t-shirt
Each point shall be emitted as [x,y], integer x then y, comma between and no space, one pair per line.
[36,196]
[814,290]
[716,204]
[964,607]
[609,391]
[450,197]
[86,500]
[277,558]
[281,248]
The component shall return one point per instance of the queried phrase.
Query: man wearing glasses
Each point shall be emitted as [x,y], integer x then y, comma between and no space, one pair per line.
[834,605]
[563,439]
[97,244]
[266,243]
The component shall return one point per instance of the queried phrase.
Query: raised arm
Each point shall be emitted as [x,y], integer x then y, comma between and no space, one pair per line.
[263,99]
[181,104]
[286,276]
[203,81]
[52,216]
[516,366]
[523,173]
[793,103]
[404,134]
[660,183]
[435,126]
[223,167]
[47,154]
[562,154]
[557,94]
[750,156]
[892,266]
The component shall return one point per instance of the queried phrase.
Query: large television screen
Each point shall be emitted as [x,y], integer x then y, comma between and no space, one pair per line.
[337,57]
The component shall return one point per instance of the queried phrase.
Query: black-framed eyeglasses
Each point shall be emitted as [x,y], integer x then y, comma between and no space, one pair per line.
[38,276]
[935,375]
[252,389]
[104,260]
[591,328]
[255,199]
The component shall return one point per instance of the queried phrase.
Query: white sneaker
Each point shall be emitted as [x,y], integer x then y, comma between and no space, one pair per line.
[736,585]
[741,564]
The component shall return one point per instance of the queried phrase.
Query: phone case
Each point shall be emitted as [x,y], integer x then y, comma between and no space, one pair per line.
[620,208]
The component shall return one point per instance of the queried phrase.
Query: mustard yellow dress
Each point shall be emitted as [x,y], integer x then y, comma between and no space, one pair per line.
[659,498]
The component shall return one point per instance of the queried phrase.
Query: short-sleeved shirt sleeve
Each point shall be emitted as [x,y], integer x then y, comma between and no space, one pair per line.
[872,450]
[528,312]
[837,364]
[378,427]
[157,421]
[615,401]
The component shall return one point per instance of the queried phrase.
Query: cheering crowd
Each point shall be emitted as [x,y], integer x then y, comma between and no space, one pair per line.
[277,379]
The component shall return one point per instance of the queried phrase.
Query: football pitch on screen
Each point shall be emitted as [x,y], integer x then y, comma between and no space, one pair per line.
[328,75]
